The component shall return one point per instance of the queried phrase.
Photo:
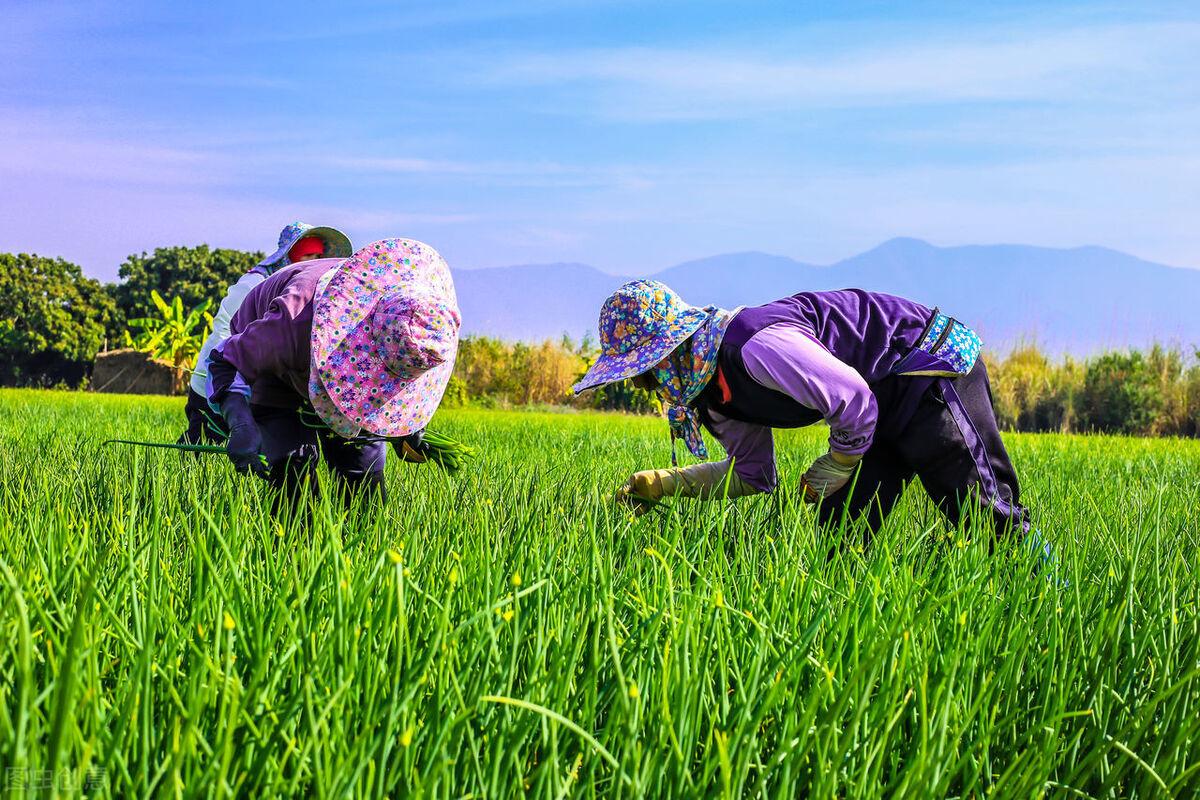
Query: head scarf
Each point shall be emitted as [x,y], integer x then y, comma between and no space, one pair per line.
[688,370]
[645,324]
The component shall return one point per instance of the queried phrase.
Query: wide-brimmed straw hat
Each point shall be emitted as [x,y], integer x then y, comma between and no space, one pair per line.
[337,244]
[384,338]
[640,324]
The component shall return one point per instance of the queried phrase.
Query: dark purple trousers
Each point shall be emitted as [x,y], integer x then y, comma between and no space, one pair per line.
[292,449]
[952,445]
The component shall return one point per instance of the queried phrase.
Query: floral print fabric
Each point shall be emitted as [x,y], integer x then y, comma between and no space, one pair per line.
[949,349]
[688,370]
[641,324]
[384,339]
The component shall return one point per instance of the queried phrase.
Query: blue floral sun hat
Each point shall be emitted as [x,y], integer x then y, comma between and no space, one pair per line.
[337,244]
[640,324]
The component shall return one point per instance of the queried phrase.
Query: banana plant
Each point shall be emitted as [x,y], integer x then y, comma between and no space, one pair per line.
[173,336]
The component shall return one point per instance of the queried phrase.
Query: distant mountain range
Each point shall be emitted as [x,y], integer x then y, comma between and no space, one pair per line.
[1078,301]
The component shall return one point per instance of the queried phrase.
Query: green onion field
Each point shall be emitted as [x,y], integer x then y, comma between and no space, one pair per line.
[509,631]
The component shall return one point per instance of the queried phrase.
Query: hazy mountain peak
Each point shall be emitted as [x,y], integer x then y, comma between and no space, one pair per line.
[1078,300]
[737,261]
[908,244]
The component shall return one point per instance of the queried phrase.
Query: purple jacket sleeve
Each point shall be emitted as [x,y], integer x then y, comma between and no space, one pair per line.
[265,346]
[786,358]
[751,447]
[222,379]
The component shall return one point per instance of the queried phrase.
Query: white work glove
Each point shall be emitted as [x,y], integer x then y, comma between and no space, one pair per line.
[827,475]
[710,480]
[644,489]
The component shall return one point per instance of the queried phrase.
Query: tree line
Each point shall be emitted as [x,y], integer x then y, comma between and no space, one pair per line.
[1148,393]
[491,373]
[1153,392]
[54,319]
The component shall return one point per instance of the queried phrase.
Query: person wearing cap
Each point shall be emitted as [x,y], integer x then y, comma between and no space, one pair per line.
[899,384]
[297,242]
[337,357]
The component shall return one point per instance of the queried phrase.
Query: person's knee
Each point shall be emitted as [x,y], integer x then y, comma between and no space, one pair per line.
[293,467]
[360,468]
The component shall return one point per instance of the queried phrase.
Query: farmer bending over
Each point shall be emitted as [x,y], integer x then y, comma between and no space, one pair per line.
[297,242]
[899,384]
[334,354]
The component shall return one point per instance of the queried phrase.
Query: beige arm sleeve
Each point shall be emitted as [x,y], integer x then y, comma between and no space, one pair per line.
[707,480]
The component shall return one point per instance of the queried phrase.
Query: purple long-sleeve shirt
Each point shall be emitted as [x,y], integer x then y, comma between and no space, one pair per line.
[269,341]
[786,358]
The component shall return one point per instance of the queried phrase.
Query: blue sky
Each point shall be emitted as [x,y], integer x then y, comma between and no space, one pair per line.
[630,136]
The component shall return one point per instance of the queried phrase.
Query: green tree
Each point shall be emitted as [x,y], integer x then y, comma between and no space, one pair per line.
[192,274]
[1191,381]
[1121,393]
[623,396]
[482,364]
[456,395]
[1169,368]
[52,320]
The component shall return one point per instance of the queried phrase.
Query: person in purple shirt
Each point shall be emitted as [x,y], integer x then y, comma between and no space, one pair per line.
[298,242]
[899,384]
[337,357]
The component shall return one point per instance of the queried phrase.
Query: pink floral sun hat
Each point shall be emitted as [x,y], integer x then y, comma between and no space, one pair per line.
[384,338]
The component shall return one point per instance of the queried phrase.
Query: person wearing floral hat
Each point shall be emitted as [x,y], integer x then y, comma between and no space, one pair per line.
[297,242]
[337,356]
[899,384]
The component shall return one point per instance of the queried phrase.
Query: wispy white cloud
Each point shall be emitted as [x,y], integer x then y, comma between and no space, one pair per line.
[367,219]
[542,174]
[541,237]
[239,80]
[98,227]
[385,19]
[76,143]
[716,82]
[1164,130]
[39,144]
[1140,204]
[813,141]
[406,165]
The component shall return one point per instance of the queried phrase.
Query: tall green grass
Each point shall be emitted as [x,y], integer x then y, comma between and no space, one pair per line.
[511,631]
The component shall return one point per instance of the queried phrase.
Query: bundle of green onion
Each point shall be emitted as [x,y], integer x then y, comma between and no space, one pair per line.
[448,453]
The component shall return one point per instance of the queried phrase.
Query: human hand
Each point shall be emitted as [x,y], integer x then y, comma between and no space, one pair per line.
[412,448]
[827,475]
[645,489]
[244,447]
